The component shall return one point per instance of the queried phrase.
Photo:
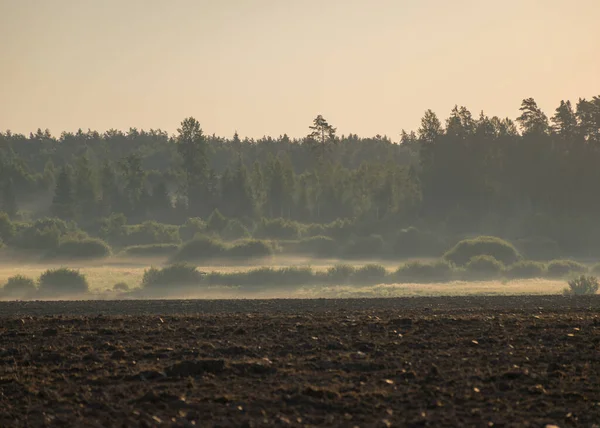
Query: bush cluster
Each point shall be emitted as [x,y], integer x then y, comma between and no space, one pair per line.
[483,267]
[149,233]
[465,250]
[87,248]
[175,276]
[526,269]
[19,287]
[581,286]
[204,248]
[419,272]
[562,268]
[315,246]
[62,282]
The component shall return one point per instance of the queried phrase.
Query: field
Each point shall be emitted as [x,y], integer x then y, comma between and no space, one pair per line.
[445,361]
[103,275]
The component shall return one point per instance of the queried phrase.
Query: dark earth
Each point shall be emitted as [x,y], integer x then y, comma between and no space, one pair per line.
[419,362]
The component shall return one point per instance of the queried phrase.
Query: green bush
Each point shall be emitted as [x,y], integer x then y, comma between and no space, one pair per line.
[216,222]
[491,246]
[483,267]
[19,287]
[369,274]
[154,250]
[175,276]
[340,274]
[41,235]
[538,248]
[526,269]
[200,248]
[251,249]
[112,228]
[235,230]
[192,227]
[121,286]
[368,247]
[315,246]
[277,228]
[89,248]
[561,268]
[264,277]
[7,228]
[62,282]
[412,242]
[339,229]
[314,229]
[149,233]
[584,285]
[420,272]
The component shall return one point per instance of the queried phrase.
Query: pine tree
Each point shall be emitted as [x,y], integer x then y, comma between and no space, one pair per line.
[9,199]
[244,206]
[63,205]
[85,193]
[191,145]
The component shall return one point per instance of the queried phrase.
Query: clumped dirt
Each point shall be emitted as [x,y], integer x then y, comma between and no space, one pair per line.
[490,362]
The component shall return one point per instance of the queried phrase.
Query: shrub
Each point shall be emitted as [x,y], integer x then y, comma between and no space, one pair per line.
[62,281]
[216,222]
[364,247]
[277,228]
[484,267]
[340,274]
[560,268]
[112,228]
[43,234]
[424,272]
[316,246]
[121,286]
[249,249]
[89,248]
[264,276]
[369,274]
[154,250]
[314,229]
[235,230]
[150,232]
[201,248]
[538,248]
[412,242]
[192,227]
[339,229]
[175,276]
[278,277]
[583,285]
[491,246]
[526,269]
[19,286]
[7,228]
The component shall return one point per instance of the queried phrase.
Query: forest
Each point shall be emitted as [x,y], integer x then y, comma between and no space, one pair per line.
[532,181]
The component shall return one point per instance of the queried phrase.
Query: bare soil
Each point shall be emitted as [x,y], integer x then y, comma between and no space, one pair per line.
[421,362]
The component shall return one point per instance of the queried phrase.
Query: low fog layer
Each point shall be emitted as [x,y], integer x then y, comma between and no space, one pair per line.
[476,198]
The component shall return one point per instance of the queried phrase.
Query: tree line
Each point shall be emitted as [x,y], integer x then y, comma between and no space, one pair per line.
[534,176]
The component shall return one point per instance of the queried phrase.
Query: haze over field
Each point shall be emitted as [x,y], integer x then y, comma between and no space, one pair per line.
[266,67]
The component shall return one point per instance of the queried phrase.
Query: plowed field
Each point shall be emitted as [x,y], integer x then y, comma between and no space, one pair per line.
[478,361]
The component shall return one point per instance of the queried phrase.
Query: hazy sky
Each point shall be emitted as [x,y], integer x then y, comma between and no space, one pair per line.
[268,67]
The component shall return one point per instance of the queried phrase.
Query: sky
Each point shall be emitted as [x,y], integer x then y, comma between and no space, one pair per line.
[268,67]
